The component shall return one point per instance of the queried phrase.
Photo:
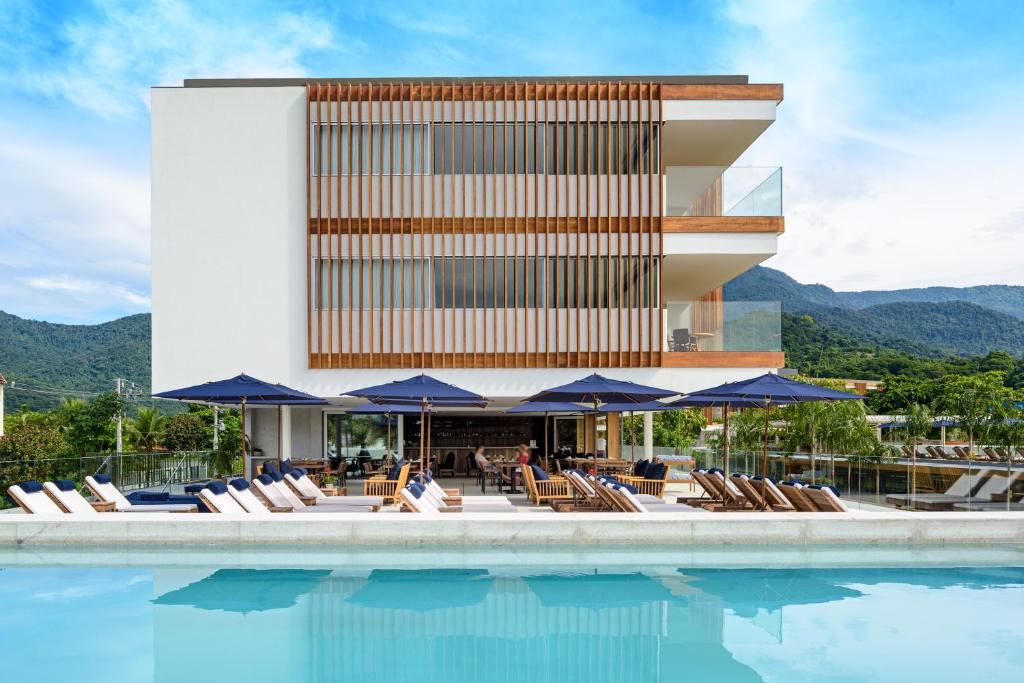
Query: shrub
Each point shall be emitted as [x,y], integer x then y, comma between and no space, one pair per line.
[185,432]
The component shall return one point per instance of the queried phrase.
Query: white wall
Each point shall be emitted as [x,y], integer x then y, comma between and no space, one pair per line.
[228,218]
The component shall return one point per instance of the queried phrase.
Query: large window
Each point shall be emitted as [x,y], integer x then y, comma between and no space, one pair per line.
[489,282]
[446,148]
[370,148]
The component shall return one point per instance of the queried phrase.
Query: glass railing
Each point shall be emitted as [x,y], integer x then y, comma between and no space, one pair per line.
[723,191]
[723,326]
[891,479]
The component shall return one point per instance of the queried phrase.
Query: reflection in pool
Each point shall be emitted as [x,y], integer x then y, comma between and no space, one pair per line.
[479,624]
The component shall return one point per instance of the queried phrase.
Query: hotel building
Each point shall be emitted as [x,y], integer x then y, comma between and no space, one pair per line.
[502,234]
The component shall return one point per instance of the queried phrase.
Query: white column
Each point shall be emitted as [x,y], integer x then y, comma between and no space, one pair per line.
[648,435]
[286,432]
[400,437]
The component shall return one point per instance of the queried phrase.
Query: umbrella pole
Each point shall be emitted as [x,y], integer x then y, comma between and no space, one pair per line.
[424,457]
[595,433]
[280,442]
[387,444]
[632,436]
[422,425]
[764,463]
[725,440]
[244,452]
[545,460]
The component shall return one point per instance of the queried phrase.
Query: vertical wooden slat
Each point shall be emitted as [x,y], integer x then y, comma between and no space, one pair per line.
[400,155]
[424,292]
[588,140]
[535,213]
[319,215]
[653,331]
[504,214]
[660,204]
[515,227]
[625,267]
[557,218]
[451,335]
[473,222]
[348,224]
[374,286]
[360,261]
[464,222]
[494,226]
[629,217]
[309,255]
[443,322]
[390,262]
[330,224]
[583,294]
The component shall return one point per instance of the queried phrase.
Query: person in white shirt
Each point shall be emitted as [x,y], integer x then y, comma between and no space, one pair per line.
[602,447]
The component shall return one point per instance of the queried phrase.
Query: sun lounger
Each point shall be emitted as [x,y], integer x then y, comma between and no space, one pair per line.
[732,497]
[101,487]
[824,498]
[988,507]
[453,497]
[276,494]
[302,485]
[241,491]
[66,495]
[216,497]
[415,498]
[974,488]
[711,487]
[630,502]
[794,493]
[742,482]
[767,487]
[584,495]
[30,497]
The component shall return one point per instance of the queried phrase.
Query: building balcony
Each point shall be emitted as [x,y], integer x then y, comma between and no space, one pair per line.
[723,334]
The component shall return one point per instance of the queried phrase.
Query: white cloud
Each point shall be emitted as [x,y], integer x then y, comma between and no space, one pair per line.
[878,197]
[79,287]
[107,60]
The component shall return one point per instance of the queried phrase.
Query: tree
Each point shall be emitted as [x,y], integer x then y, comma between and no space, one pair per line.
[22,449]
[972,400]
[186,432]
[917,422]
[147,430]
[671,428]
[89,426]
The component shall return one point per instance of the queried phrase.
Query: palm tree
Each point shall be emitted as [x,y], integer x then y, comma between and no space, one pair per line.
[147,430]
[916,425]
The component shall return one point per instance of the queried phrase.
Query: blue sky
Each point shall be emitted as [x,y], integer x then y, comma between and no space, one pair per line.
[901,135]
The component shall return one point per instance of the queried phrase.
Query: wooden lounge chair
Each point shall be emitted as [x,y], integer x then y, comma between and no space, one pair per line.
[646,484]
[544,490]
[753,496]
[732,497]
[584,495]
[103,489]
[824,498]
[415,498]
[299,482]
[795,494]
[388,489]
[241,491]
[771,493]
[977,487]
[66,495]
[30,497]
[217,499]
[992,454]
[712,492]
[628,502]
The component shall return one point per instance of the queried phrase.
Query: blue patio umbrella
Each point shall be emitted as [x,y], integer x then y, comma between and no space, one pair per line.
[724,402]
[243,390]
[772,389]
[441,588]
[596,389]
[546,407]
[423,391]
[745,591]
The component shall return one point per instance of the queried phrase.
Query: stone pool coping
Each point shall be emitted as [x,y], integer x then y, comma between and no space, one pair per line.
[484,529]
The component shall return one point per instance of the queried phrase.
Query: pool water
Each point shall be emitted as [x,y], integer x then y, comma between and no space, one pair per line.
[621,621]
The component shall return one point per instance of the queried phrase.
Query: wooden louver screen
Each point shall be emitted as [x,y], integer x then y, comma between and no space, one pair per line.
[502,225]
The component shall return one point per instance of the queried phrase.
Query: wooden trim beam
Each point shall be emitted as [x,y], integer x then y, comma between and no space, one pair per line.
[723,359]
[720,224]
[702,91]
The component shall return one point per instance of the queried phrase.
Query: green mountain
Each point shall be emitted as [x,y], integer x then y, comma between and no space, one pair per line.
[932,322]
[41,358]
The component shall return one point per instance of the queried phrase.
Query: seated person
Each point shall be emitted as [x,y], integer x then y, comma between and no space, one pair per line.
[487,467]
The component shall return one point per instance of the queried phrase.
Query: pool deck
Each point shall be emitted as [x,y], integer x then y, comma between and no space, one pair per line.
[489,529]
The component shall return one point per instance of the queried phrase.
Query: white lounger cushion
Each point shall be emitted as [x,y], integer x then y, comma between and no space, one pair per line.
[73,501]
[248,500]
[421,504]
[306,487]
[37,502]
[221,502]
[108,493]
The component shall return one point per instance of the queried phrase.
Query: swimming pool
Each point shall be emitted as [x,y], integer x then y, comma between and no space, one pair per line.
[541,614]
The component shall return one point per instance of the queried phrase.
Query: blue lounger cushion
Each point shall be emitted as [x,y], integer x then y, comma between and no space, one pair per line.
[277,476]
[416,489]
[217,487]
[65,485]
[238,484]
[834,489]
[538,473]
[101,478]
[286,466]
[640,469]
[619,485]
[30,486]
[265,479]
[656,471]
[395,470]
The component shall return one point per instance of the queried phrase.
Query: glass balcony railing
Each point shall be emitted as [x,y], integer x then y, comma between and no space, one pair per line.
[723,326]
[723,191]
